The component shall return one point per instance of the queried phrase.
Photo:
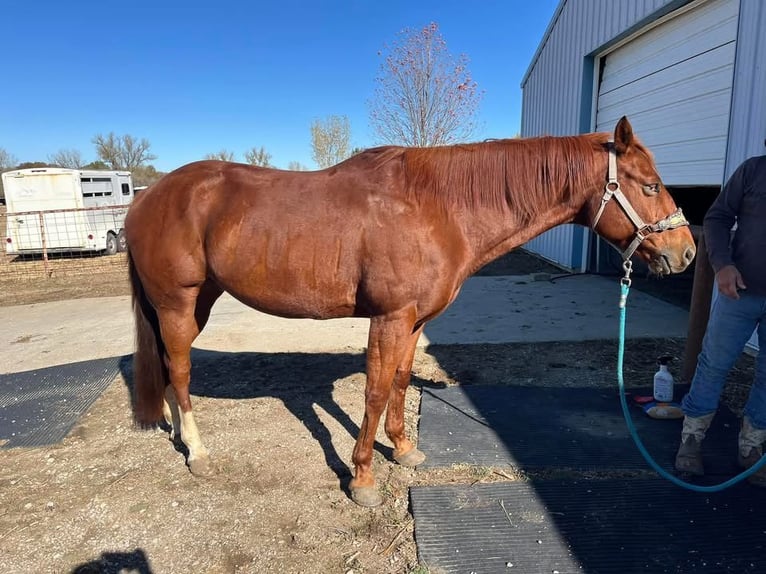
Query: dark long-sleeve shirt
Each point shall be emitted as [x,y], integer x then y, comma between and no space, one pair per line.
[742,200]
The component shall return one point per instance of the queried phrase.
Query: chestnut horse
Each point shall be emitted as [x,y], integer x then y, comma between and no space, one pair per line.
[389,234]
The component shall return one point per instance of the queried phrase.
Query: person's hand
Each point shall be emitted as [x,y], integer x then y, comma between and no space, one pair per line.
[729,281]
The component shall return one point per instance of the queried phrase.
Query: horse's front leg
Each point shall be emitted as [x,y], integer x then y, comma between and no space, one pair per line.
[387,345]
[405,452]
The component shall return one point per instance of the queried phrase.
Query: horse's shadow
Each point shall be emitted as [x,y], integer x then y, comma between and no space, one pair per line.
[302,381]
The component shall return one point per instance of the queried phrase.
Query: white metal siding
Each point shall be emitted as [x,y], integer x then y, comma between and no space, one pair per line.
[747,128]
[553,84]
[553,87]
[557,245]
[674,83]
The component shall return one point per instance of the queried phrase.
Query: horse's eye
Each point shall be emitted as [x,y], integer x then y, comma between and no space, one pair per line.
[651,188]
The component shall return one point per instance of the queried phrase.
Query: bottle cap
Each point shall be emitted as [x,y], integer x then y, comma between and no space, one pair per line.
[664,359]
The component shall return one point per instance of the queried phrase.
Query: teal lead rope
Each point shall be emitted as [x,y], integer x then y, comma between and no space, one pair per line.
[624,288]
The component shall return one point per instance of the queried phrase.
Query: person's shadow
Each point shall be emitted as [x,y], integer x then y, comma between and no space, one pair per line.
[302,381]
[135,562]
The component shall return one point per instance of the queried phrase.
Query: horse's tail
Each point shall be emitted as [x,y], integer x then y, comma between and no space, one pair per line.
[150,375]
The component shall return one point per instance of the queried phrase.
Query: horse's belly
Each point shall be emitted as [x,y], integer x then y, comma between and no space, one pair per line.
[297,299]
[291,274]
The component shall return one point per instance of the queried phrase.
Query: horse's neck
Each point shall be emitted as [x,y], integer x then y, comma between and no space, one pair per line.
[495,233]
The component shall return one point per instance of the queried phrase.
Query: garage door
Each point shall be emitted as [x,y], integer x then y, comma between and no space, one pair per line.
[674,84]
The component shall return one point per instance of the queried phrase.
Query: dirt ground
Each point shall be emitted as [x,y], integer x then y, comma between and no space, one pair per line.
[280,428]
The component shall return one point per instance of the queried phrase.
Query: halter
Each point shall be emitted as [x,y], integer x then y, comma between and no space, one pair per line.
[643,230]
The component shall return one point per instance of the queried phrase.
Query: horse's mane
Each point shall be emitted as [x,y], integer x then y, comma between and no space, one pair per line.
[524,176]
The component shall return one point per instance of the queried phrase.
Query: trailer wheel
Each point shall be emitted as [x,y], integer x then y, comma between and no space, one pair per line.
[122,242]
[111,244]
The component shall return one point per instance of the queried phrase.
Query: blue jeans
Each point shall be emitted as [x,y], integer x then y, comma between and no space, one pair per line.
[731,323]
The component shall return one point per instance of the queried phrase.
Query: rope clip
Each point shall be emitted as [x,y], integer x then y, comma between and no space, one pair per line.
[628,267]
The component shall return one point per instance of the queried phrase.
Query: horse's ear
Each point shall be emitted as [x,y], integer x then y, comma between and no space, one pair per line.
[623,135]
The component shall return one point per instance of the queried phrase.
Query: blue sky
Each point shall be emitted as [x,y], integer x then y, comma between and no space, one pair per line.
[196,77]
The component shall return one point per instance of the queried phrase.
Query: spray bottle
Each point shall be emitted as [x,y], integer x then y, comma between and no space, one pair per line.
[663,381]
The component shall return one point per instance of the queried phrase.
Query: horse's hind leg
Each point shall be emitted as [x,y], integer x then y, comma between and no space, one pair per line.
[172,414]
[208,294]
[404,451]
[180,325]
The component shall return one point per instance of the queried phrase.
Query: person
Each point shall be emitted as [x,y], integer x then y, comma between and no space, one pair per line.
[739,262]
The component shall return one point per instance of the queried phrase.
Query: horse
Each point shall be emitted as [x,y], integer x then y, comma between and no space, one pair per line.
[389,234]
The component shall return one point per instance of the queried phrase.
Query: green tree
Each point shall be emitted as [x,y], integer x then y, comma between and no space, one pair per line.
[122,152]
[98,164]
[424,96]
[33,164]
[258,156]
[223,155]
[330,140]
[145,175]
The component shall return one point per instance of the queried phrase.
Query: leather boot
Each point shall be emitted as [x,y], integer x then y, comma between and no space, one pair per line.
[689,455]
[750,451]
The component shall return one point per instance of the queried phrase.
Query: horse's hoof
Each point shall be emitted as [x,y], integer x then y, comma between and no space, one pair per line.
[367,496]
[411,458]
[201,467]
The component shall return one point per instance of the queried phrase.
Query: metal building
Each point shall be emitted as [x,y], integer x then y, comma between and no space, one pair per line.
[690,76]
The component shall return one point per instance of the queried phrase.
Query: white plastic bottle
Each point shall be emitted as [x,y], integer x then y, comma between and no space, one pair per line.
[663,382]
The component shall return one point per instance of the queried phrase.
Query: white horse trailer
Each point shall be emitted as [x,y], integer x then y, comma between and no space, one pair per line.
[60,210]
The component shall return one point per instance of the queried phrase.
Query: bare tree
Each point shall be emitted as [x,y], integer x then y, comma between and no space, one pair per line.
[424,96]
[258,156]
[330,140]
[7,161]
[108,149]
[70,158]
[296,166]
[123,152]
[135,152]
[223,155]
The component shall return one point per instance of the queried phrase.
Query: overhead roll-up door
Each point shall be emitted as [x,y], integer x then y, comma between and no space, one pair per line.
[674,83]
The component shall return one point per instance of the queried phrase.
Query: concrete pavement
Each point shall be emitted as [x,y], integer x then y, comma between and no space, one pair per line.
[507,309]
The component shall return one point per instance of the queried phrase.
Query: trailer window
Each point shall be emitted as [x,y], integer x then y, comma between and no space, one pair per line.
[125,189]
[96,186]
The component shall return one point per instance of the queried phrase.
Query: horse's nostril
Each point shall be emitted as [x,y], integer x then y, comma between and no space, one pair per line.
[689,254]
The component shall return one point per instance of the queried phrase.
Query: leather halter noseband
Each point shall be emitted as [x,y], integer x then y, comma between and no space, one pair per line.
[643,230]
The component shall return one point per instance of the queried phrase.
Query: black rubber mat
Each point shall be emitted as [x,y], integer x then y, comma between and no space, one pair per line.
[40,407]
[559,428]
[589,526]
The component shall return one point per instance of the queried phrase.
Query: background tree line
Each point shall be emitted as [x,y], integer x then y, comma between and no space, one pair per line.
[424,96]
